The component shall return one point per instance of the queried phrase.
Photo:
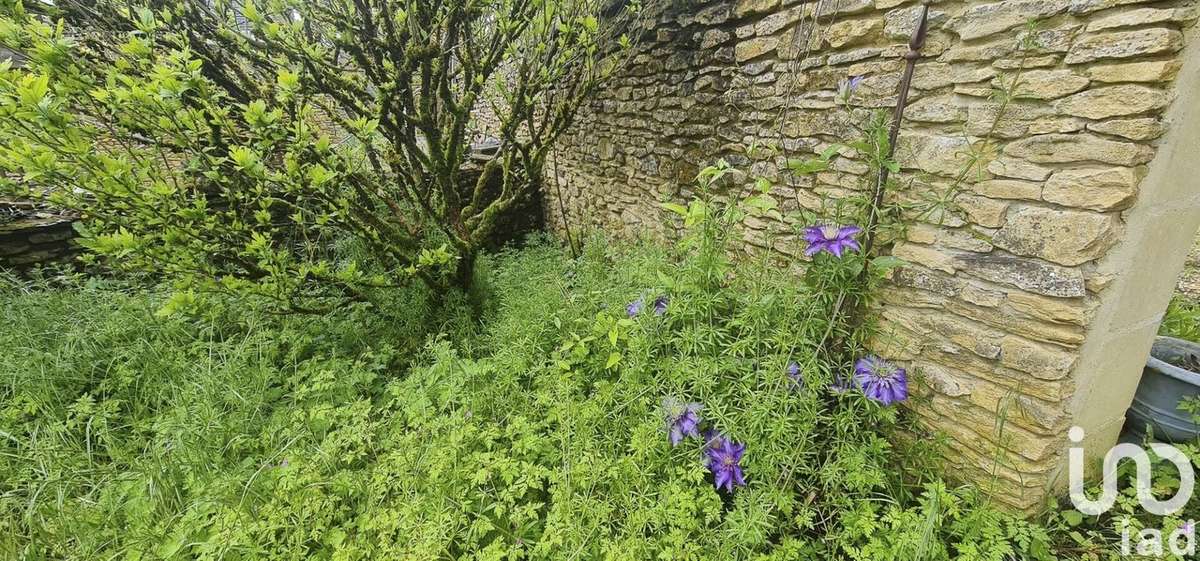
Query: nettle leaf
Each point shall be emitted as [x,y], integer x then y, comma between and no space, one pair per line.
[807,166]
[179,302]
[763,185]
[675,208]
[885,263]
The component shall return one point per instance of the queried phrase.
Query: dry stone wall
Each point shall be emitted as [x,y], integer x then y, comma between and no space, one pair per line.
[30,237]
[999,297]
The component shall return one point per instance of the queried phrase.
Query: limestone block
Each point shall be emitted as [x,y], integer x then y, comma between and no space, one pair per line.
[1018,116]
[1066,237]
[945,381]
[1006,166]
[1046,362]
[812,123]
[1037,415]
[1009,189]
[1069,148]
[921,233]
[745,8]
[1124,44]
[776,21]
[713,38]
[983,297]
[973,336]
[981,91]
[1026,62]
[844,7]
[934,75]
[1113,101]
[907,298]
[928,256]
[1141,16]
[900,23]
[1054,40]
[1010,321]
[713,15]
[1047,84]
[1079,7]
[982,210]
[979,424]
[1058,310]
[981,20]
[849,32]
[1029,274]
[854,56]
[927,280]
[937,154]
[1147,128]
[953,238]
[1143,71]
[1106,188]
[753,48]
[977,53]
[1057,124]
[937,109]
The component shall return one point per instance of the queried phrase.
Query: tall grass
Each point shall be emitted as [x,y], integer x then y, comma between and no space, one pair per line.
[530,432]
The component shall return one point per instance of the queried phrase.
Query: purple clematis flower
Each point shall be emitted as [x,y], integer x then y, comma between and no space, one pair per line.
[660,305]
[683,419]
[724,460]
[846,87]
[831,239]
[881,380]
[793,372]
[634,308]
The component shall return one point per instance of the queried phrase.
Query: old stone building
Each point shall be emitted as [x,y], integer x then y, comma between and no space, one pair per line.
[1035,301]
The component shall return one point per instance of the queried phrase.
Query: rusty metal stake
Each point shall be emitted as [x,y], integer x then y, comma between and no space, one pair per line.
[915,44]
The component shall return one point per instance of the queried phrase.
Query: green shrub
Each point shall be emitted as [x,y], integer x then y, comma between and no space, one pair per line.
[1182,319]
[232,144]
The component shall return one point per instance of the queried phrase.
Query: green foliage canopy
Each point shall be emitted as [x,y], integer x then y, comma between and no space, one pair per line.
[235,145]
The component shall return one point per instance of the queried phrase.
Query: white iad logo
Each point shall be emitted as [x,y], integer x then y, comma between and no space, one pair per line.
[1150,538]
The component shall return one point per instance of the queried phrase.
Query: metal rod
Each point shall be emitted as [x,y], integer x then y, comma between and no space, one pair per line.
[915,44]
